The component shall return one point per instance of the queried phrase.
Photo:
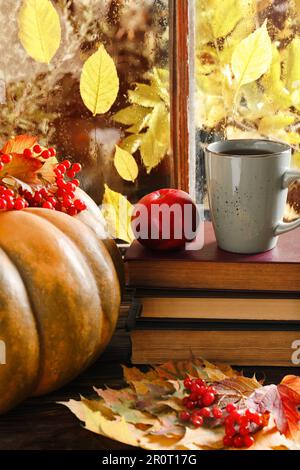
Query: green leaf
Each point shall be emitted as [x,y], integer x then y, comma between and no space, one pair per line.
[117,211]
[125,165]
[156,142]
[99,82]
[39,29]
[252,57]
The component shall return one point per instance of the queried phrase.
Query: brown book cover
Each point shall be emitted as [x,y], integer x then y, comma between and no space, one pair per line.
[236,339]
[215,269]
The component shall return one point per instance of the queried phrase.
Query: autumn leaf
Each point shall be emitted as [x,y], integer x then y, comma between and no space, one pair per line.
[117,212]
[125,165]
[289,391]
[99,82]
[134,116]
[144,95]
[131,143]
[146,412]
[39,29]
[19,143]
[156,142]
[252,57]
[23,168]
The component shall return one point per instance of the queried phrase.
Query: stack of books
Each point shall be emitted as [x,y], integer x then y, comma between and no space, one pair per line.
[240,309]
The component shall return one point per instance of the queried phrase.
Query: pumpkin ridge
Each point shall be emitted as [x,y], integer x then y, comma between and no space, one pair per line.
[57,312]
[33,317]
[109,262]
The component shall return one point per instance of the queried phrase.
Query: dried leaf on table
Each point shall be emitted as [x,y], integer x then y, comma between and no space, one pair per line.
[146,413]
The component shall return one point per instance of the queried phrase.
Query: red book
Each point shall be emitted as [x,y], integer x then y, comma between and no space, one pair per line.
[215,269]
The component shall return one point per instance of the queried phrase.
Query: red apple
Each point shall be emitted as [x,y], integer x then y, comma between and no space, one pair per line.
[165,220]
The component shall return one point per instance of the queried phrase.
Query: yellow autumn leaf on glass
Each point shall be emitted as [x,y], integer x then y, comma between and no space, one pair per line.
[292,64]
[144,95]
[133,114]
[125,165]
[275,90]
[131,143]
[99,82]
[156,142]
[117,212]
[269,124]
[252,57]
[39,29]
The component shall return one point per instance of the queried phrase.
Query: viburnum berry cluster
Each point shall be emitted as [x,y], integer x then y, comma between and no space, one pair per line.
[59,195]
[202,406]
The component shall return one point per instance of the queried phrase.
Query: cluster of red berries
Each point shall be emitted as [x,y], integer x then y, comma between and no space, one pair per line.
[200,397]
[240,427]
[59,196]
[200,407]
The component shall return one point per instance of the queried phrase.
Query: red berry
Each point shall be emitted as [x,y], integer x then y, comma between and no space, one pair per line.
[200,382]
[52,151]
[76,167]
[70,187]
[61,168]
[212,390]
[5,158]
[257,419]
[60,182]
[230,407]
[208,398]
[45,154]
[205,412]
[27,153]
[184,416]
[71,174]
[2,204]
[10,203]
[217,412]
[197,421]
[75,182]
[67,202]
[52,201]
[244,430]
[57,173]
[1,166]
[72,211]
[44,192]
[248,441]
[195,388]
[47,205]
[20,204]
[67,164]
[228,441]
[191,405]
[79,204]
[230,430]
[9,192]
[37,149]
[238,442]
[194,396]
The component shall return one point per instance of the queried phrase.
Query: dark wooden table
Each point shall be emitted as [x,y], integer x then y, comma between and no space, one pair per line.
[42,424]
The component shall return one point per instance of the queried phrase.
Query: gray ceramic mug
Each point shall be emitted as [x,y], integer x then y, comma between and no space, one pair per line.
[247,186]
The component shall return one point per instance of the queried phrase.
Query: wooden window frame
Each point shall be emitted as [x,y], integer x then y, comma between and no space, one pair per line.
[182,34]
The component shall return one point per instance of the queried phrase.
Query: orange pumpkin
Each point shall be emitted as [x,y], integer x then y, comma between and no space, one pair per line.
[59,297]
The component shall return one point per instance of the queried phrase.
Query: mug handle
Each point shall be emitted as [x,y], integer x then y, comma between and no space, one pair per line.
[283,227]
